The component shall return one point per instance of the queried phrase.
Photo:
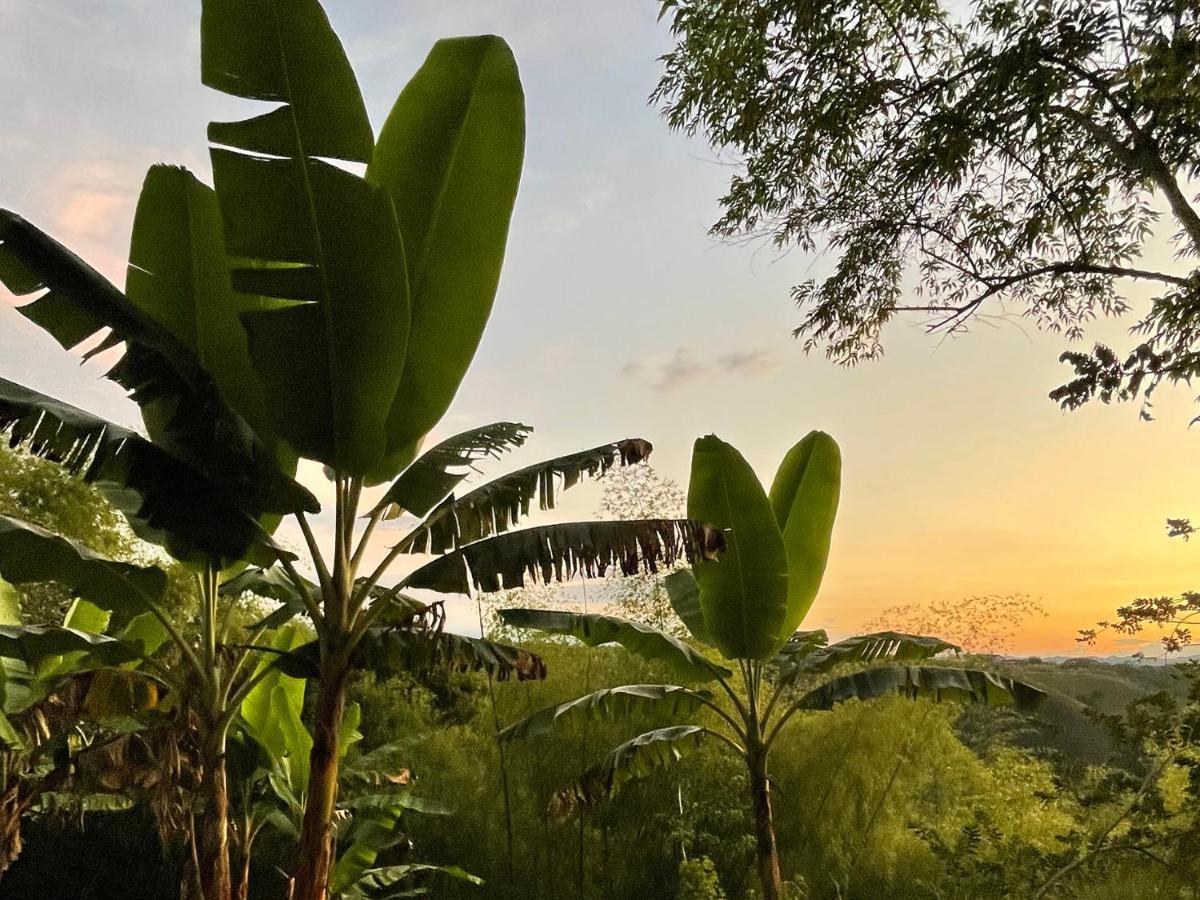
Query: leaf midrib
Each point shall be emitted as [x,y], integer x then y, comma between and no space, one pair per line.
[193,269]
[326,304]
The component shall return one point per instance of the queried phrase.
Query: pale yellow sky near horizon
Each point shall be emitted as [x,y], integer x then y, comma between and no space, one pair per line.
[618,317]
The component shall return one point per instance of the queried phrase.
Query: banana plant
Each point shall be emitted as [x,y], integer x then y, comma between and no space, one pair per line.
[211,479]
[304,347]
[375,288]
[376,789]
[746,607]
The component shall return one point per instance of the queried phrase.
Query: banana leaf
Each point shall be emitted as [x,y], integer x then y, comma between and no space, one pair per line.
[743,594]
[610,704]
[430,479]
[329,363]
[932,682]
[634,759]
[804,496]
[165,499]
[596,629]
[450,155]
[561,552]
[495,507]
[156,368]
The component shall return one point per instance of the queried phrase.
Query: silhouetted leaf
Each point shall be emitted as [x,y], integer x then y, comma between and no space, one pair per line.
[330,365]
[562,552]
[435,473]
[497,506]
[450,155]
[165,499]
[157,369]
[932,682]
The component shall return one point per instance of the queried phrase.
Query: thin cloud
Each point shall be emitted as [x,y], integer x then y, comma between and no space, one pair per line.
[685,366]
[751,363]
[679,369]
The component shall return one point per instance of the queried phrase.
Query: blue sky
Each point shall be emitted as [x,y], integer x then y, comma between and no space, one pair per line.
[617,316]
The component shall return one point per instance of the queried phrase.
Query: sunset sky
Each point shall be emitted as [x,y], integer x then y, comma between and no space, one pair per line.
[618,316]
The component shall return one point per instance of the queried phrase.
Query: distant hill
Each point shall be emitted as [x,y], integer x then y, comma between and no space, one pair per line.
[1076,685]
[1108,685]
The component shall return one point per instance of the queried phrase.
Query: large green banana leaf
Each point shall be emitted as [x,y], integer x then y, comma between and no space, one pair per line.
[633,759]
[450,154]
[35,644]
[609,705]
[744,593]
[498,505]
[179,274]
[330,364]
[428,481]
[932,682]
[284,51]
[157,368]
[594,629]
[270,713]
[32,554]
[164,498]
[805,496]
[569,550]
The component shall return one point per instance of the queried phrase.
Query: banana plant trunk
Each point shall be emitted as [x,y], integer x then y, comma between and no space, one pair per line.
[316,834]
[213,845]
[766,851]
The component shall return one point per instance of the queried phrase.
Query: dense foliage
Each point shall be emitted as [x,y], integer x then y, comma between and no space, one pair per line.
[936,819]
